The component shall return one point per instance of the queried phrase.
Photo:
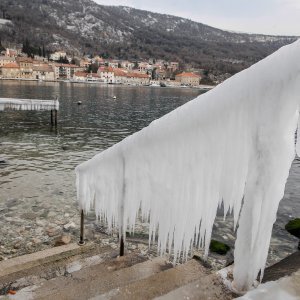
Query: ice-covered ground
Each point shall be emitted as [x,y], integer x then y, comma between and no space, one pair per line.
[234,144]
[287,288]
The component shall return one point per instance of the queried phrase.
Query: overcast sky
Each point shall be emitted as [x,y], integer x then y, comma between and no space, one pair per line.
[278,17]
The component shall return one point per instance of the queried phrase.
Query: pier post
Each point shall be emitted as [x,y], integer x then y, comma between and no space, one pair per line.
[81,240]
[51,117]
[55,116]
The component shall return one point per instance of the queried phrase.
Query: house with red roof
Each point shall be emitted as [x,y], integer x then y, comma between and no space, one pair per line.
[138,79]
[120,76]
[43,71]
[4,60]
[106,74]
[10,70]
[26,67]
[188,78]
[86,77]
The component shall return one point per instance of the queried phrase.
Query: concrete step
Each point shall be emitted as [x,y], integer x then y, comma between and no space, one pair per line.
[208,287]
[22,271]
[28,261]
[158,284]
[95,280]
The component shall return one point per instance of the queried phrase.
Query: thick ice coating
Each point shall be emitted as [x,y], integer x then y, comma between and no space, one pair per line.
[28,104]
[233,144]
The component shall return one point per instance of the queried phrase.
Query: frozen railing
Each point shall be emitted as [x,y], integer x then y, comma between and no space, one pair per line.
[31,104]
[233,145]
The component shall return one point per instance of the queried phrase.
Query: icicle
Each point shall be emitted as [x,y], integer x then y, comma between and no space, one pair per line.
[233,144]
[28,104]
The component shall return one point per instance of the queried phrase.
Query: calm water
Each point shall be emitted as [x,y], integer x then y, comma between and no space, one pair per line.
[42,160]
[37,184]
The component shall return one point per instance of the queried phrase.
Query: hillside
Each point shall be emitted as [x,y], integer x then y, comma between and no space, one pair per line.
[82,26]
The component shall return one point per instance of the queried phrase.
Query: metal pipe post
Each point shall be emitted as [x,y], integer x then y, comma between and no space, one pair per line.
[81,240]
[122,246]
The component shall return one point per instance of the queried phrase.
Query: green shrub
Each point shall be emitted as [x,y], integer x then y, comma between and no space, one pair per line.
[293,227]
[218,247]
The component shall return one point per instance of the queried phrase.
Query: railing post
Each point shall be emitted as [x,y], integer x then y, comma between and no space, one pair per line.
[81,240]
[51,117]
[122,246]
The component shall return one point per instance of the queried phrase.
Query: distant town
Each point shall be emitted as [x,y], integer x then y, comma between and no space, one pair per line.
[59,66]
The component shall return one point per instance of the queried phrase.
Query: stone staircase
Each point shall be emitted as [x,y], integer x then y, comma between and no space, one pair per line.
[100,274]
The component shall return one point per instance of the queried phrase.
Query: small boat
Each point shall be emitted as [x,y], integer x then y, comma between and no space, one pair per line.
[79,102]
[114,97]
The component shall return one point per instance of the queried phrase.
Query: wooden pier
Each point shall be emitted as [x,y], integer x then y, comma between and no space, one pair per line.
[31,104]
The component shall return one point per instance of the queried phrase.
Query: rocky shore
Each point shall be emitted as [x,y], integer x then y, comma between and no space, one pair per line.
[27,228]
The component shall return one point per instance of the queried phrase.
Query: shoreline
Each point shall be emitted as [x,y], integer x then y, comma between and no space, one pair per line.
[200,87]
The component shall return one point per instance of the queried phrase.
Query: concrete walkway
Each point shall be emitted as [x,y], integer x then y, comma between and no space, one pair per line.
[96,272]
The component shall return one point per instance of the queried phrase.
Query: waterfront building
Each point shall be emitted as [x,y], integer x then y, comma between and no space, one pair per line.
[186,78]
[120,76]
[26,67]
[137,79]
[10,70]
[80,76]
[43,72]
[106,74]
[65,71]
[4,60]
[86,77]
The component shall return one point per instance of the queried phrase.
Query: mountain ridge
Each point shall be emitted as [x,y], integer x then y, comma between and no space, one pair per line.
[83,26]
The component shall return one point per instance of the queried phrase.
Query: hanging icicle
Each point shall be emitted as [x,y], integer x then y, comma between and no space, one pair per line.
[28,104]
[234,144]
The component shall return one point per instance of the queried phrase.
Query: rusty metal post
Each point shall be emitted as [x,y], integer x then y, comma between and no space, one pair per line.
[81,240]
[51,117]
[122,246]
[55,115]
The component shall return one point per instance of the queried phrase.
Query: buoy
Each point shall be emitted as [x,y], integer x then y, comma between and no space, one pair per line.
[11,292]
[79,102]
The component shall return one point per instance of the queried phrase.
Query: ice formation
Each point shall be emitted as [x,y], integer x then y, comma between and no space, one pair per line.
[28,104]
[234,144]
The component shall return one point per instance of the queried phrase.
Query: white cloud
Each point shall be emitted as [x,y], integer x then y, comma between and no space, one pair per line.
[291,4]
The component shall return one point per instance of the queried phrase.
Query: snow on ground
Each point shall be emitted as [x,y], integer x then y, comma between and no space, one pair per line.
[287,288]
[234,144]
